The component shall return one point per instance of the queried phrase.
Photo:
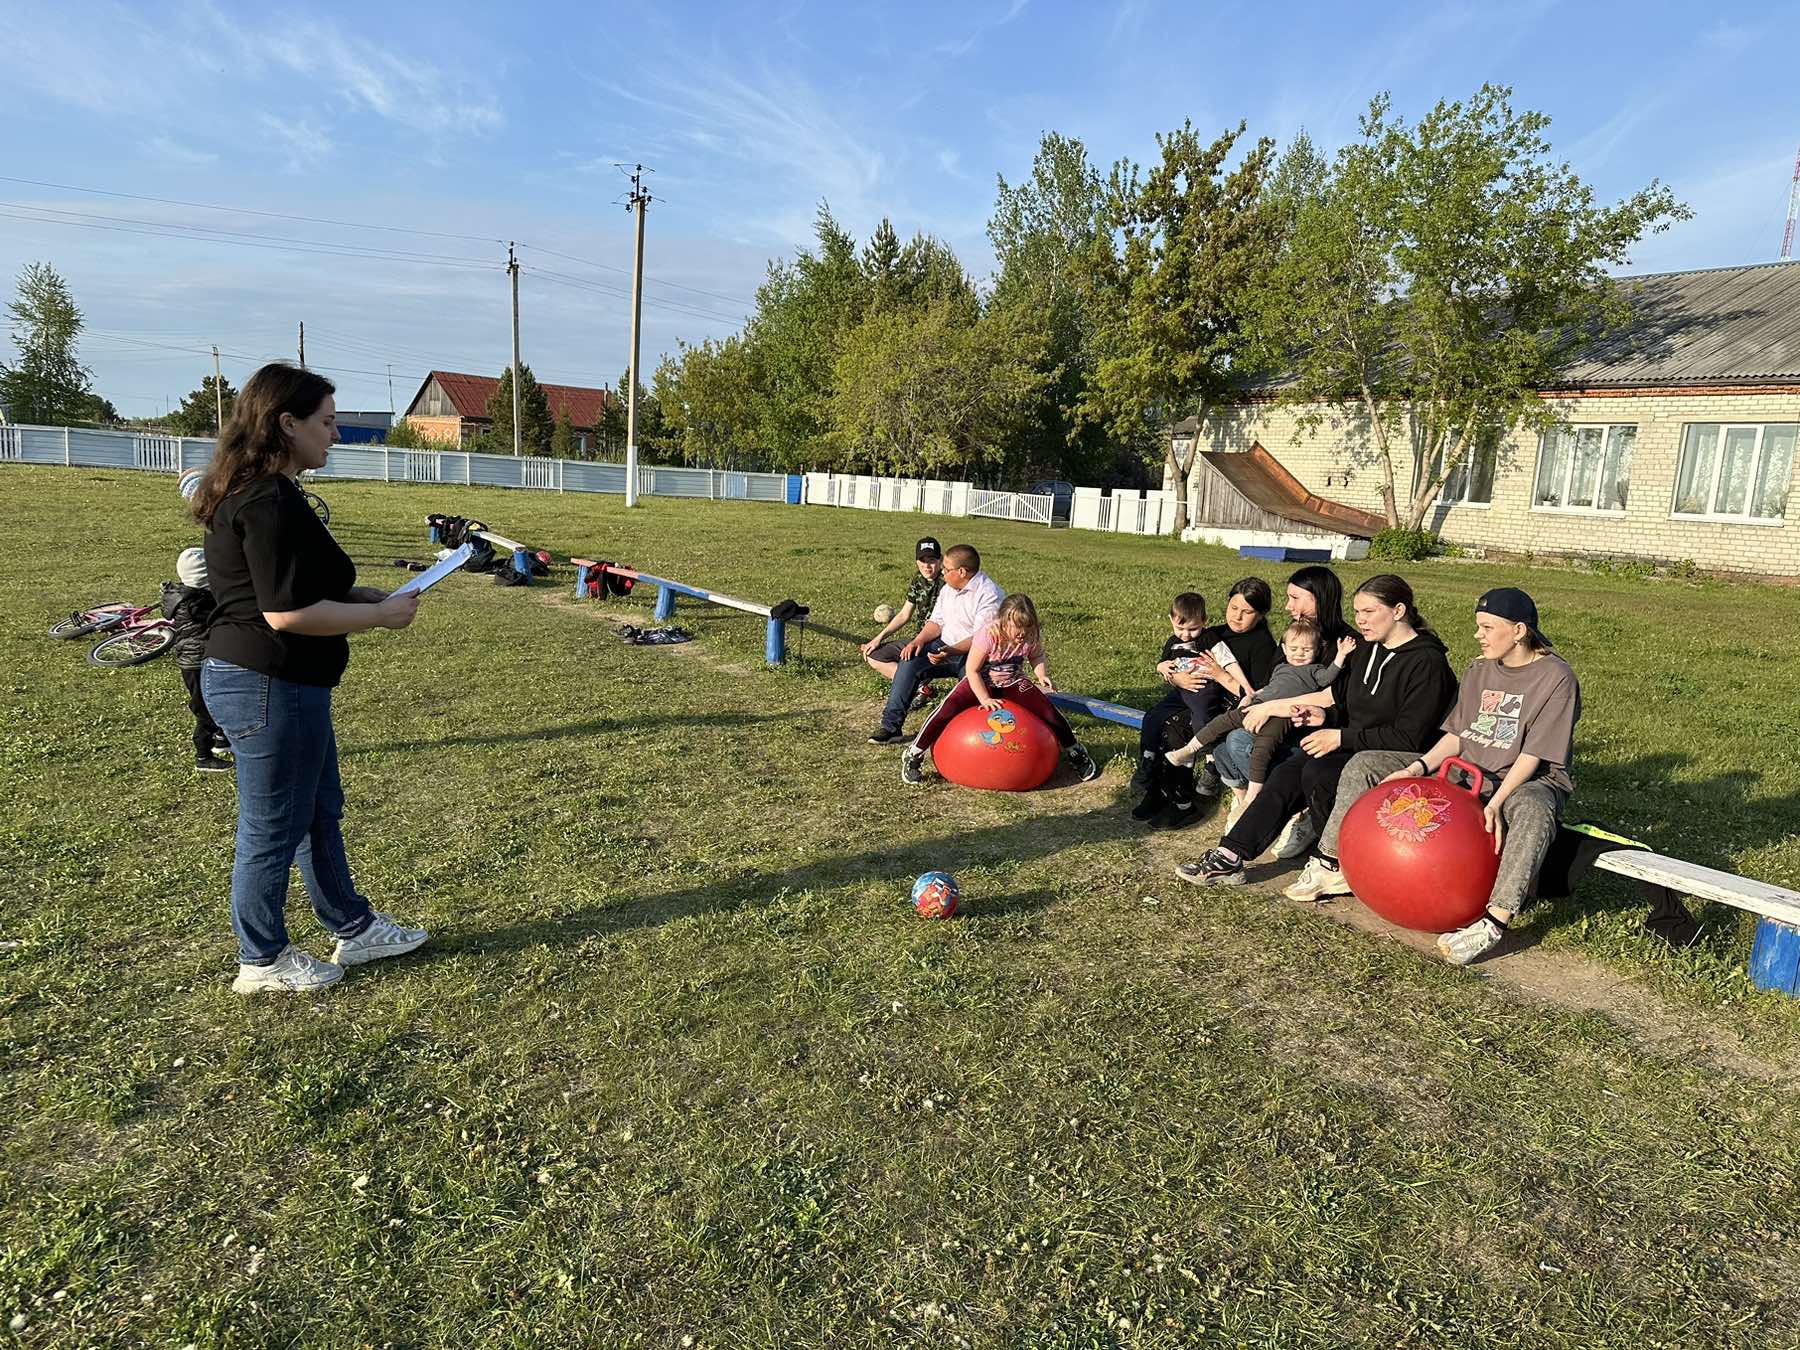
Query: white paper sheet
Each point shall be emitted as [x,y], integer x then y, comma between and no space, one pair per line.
[437,572]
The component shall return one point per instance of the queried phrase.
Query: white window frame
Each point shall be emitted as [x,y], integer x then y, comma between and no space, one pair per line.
[1712,483]
[1573,430]
[1488,445]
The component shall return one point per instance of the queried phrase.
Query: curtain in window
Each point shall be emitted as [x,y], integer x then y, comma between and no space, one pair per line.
[1776,474]
[1694,479]
[1553,465]
[1615,473]
[1589,445]
[1735,464]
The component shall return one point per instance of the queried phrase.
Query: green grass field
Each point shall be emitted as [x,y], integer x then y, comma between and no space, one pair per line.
[682,1068]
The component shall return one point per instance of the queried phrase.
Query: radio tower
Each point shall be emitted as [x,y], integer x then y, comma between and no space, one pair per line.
[1787,235]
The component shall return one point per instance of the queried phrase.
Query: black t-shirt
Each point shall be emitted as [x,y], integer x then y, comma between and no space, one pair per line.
[266,552]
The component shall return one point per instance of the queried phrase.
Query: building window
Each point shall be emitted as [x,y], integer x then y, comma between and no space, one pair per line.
[1585,468]
[1471,482]
[1732,472]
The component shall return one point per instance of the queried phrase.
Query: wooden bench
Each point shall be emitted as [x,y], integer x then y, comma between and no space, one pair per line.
[775,631]
[1775,954]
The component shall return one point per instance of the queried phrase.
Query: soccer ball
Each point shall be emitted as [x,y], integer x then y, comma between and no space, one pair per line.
[190,483]
[883,613]
[936,895]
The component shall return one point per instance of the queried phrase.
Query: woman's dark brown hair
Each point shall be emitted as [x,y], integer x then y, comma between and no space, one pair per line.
[1393,592]
[253,443]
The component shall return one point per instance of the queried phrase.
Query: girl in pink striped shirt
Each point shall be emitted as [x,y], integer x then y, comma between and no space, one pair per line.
[1003,658]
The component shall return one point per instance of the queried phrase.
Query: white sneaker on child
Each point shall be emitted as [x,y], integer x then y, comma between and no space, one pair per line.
[1185,756]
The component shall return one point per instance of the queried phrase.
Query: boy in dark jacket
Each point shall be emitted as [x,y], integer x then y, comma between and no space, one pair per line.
[189,607]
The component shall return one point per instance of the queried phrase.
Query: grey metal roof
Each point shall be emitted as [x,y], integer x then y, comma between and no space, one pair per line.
[1723,325]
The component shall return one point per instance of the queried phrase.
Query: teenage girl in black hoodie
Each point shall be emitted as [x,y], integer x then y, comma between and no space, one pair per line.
[1393,695]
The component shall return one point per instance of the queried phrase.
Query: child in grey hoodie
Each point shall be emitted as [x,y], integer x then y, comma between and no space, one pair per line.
[1303,671]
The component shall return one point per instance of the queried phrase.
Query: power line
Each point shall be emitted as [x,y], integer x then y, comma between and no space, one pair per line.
[250,211]
[674,306]
[609,267]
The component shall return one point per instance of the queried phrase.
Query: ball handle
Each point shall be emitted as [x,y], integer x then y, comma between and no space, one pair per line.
[1476,777]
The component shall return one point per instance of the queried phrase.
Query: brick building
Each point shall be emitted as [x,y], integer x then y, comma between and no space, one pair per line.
[452,408]
[1676,442]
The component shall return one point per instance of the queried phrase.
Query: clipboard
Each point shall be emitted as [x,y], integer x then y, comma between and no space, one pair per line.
[425,580]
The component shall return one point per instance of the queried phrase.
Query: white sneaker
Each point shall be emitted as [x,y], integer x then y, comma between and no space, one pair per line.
[1465,944]
[1296,836]
[1186,755]
[1317,882]
[293,972]
[383,937]
[1237,809]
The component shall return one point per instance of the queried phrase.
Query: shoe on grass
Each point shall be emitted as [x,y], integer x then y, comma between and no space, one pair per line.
[912,765]
[221,741]
[1081,761]
[1296,836]
[1150,807]
[382,938]
[1215,867]
[1176,816]
[883,736]
[211,763]
[923,696]
[1206,781]
[293,972]
[1317,881]
[1466,944]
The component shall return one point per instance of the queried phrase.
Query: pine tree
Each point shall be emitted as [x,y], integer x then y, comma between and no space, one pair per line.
[49,385]
[536,423]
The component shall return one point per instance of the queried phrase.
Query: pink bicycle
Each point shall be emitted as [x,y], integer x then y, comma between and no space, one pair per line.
[135,633]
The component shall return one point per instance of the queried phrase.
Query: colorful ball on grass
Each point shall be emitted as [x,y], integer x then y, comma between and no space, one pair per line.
[936,895]
[189,483]
[1005,750]
[883,614]
[1418,853]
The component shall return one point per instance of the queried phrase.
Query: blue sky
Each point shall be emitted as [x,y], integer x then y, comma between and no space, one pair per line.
[498,122]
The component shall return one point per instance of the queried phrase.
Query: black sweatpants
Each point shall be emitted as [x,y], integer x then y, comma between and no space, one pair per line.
[1169,725]
[1297,781]
[204,727]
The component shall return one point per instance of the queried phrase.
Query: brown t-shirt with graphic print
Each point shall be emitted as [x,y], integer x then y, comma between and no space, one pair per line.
[1503,712]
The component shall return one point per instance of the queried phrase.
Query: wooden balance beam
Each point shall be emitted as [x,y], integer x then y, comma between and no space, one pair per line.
[1775,954]
[775,632]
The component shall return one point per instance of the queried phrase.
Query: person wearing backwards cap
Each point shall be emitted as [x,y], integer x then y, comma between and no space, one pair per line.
[882,655]
[1514,719]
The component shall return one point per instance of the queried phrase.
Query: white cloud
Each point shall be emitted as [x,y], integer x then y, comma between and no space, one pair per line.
[172,152]
[303,145]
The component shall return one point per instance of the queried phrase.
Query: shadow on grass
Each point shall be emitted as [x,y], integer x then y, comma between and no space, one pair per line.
[598,726]
[994,844]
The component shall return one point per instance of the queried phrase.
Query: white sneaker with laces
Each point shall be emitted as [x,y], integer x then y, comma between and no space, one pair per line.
[293,972]
[1296,836]
[382,938]
[1317,882]
[1465,944]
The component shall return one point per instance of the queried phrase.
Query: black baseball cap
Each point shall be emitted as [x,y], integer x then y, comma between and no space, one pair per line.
[928,550]
[1513,605]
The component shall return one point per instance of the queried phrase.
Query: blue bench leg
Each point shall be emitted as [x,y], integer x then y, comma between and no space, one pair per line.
[521,564]
[775,643]
[1775,957]
[665,604]
[437,536]
[581,583]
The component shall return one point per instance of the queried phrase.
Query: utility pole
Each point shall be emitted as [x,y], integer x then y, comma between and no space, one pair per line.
[512,266]
[639,200]
[1787,237]
[303,344]
[390,371]
[218,393]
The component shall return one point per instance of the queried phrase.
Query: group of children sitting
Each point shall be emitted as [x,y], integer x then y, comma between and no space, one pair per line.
[1316,720]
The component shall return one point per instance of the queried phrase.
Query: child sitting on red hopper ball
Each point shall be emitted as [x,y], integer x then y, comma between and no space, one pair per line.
[998,661]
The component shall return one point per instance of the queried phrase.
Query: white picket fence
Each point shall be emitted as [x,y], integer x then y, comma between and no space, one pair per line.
[1122,512]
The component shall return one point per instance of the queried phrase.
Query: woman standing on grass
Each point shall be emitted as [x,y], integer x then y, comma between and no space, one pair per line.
[286,597]
[1392,694]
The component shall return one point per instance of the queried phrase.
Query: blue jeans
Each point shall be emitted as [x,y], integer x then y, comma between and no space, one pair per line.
[1231,756]
[915,671]
[290,805]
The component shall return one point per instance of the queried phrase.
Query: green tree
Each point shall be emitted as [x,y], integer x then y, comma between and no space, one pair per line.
[403,435]
[100,412]
[535,422]
[564,443]
[708,402]
[198,414]
[1436,278]
[928,391]
[804,311]
[1172,276]
[1042,231]
[610,434]
[48,384]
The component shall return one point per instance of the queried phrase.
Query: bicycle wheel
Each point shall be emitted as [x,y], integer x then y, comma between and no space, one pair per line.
[97,619]
[314,500]
[134,646]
